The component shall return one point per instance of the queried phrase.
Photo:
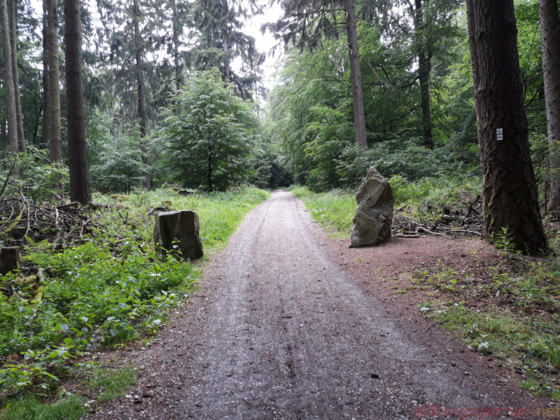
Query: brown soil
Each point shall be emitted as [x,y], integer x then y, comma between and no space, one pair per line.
[290,324]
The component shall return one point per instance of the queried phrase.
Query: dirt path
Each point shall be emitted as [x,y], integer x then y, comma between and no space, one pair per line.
[281,330]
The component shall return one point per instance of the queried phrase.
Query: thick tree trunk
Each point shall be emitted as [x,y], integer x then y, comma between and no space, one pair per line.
[45,134]
[12,9]
[140,87]
[53,111]
[8,78]
[355,75]
[424,71]
[77,147]
[509,187]
[550,36]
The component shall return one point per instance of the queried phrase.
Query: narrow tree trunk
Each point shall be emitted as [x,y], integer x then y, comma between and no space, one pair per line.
[140,87]
[355,75]
[8,78]
[53,112]
[45,134]
[424,70]
[471,28]
[509,188]
[12,8]
[77,147]
[550,36]
[176,56]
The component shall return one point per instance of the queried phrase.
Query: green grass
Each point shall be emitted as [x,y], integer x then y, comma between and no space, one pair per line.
[423,199]
[30,408]
[110,289]
[108,384]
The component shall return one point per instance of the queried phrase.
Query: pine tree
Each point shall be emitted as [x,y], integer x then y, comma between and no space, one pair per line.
[8,77]
[77,147]
[510,201]
[52,103]
[550,36]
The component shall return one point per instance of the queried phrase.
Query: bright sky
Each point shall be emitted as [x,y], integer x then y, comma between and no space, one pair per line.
[252,27]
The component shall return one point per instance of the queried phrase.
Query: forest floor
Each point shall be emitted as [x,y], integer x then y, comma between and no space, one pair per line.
[291,324]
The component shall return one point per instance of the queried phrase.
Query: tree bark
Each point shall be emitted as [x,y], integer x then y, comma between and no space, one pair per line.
[45,134]
[77,146]
[178,67]
[550,36]
[8,77]
[355,75]
[510,199]
[12,9]
[140,87]
[424,71]
[53,111]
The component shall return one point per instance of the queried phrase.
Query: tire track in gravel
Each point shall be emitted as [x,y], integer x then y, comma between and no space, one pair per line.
[287,334]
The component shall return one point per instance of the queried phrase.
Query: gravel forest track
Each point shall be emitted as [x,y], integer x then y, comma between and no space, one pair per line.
[280,331]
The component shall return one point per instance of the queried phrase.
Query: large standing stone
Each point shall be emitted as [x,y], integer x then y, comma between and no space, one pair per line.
[180,228]
[374,214]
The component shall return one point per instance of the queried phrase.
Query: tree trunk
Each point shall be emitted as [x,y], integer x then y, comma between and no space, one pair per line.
[140,86]
[12,9]
[8,78]
[77,147]
[355,75]
[550,36]
[178,67]
[509,188]
[53,112]
[45,134]
[424,71]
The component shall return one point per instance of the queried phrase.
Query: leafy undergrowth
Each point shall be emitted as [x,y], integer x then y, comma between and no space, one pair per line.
[422,201]
[109,290]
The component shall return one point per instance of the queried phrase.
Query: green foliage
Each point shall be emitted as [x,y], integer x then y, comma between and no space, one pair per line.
[115,155]
[107,291]
[34,175]
[207,134]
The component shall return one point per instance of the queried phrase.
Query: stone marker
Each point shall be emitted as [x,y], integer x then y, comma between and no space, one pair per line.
[180,228]
[9,259]
[374,214]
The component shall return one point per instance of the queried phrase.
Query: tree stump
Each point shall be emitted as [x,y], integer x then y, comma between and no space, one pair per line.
[178,232]
[9,260]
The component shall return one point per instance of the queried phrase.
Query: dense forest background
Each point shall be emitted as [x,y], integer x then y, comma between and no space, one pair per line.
[143,61]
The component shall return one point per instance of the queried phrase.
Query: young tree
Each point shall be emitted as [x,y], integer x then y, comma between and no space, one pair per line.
[8,77]
[509,187]
[77,147]
[550,37]
[206,144]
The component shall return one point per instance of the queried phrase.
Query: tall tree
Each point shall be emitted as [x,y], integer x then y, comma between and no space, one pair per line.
[138,46]
[550,40]
[424,69]
[52,105]
[510,199]
[45,134]
[13,17]
[77,147]
[305,23]
[8,77]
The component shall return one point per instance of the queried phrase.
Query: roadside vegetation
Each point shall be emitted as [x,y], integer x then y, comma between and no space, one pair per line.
[66,304]
[507,308]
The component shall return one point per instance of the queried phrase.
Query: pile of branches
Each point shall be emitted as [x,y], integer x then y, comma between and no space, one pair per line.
[464,222]
[23,220]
